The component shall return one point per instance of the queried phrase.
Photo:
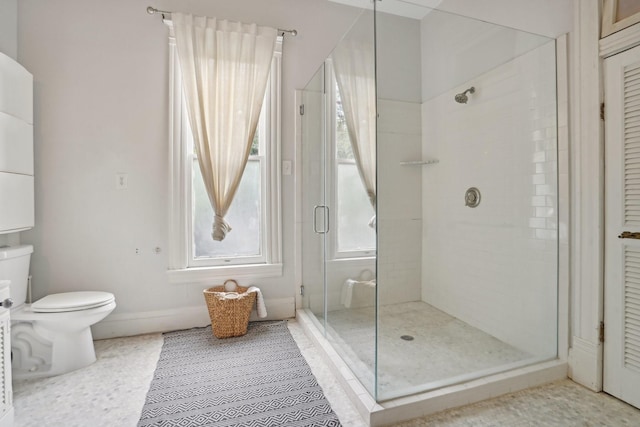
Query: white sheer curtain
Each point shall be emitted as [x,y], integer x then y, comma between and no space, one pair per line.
[225,67]
[354,67]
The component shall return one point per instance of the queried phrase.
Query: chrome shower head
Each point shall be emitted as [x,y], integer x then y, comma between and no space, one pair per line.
[462,98]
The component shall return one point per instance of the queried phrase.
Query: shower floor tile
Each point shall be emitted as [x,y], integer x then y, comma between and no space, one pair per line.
[443,347]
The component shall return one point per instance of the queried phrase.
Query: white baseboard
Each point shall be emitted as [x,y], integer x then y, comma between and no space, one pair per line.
[173,319]
[585,363]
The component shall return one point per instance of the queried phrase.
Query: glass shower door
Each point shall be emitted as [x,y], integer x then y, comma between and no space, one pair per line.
[338,198]
[313,185]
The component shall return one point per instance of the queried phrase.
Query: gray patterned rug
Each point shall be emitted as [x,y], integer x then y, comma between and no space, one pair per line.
[259,379]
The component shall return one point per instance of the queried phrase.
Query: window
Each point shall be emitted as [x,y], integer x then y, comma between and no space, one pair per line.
[253,246]
[245,244]
[353,211]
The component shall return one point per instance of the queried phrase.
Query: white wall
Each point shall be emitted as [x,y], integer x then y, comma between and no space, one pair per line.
[456,48]
[9,28]
[399,79]
[550,18]
[398,58]
[400,219]
[101,108]
[494,266]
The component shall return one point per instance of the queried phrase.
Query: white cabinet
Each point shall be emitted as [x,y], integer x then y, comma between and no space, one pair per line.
[16,147]
[16,199]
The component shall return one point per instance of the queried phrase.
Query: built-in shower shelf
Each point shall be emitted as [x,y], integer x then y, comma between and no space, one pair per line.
[419,162]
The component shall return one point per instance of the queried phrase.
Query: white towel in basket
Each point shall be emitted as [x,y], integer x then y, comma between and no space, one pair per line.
[261,309]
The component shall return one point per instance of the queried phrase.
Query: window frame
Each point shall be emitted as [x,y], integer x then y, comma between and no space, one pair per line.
[332,177]
[183,267]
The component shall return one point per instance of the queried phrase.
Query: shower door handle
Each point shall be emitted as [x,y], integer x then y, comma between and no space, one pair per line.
[326,216]
[326,219]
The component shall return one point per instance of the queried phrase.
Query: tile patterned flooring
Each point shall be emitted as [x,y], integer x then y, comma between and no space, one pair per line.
[111,393]
[448,348]
[562,404]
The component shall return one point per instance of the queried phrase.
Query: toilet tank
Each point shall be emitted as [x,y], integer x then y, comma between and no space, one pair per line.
[14,266]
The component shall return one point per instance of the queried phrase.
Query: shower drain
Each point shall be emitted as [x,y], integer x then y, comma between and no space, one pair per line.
[407,337]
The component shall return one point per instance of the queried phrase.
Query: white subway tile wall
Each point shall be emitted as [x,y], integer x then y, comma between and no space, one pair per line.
[399,202]
[495,266]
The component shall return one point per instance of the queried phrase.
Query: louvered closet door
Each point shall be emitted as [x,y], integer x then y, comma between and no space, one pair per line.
[622,213]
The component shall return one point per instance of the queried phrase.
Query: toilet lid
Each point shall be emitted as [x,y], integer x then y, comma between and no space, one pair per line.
[72,301]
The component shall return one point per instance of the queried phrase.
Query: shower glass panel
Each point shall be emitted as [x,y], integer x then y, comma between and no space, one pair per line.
[429,199]
[464,291]
[338,237]
[313,134]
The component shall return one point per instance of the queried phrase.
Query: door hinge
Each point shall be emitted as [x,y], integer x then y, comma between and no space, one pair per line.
[302,109]
[601,332]
[602,111]
[302,290]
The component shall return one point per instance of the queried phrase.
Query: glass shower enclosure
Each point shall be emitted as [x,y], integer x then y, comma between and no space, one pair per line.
[429,199]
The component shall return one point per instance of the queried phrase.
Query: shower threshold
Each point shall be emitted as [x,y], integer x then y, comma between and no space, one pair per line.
[442,394]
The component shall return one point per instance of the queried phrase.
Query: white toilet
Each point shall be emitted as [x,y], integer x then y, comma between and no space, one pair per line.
[52,336]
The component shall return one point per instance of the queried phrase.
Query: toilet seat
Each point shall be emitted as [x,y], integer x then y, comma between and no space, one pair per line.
[72,301]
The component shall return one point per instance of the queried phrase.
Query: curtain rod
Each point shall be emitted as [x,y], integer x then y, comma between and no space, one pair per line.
[152,10]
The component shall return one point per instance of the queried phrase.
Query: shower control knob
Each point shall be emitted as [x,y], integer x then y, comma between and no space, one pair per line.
[7,303]
[472,197]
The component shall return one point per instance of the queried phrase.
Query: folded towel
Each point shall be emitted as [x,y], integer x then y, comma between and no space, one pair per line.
[347,292]
[349,285]
[368,283]
[261,309]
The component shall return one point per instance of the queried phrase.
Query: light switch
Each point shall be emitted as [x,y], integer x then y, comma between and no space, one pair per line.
[121,181]
[286,167]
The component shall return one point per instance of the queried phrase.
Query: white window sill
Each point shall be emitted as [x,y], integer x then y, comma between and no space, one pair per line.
[213,276]
[359,261]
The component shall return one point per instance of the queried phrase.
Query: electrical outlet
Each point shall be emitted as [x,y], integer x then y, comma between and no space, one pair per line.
[138,250]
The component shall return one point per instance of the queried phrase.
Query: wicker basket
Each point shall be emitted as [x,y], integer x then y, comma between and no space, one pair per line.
[229,311]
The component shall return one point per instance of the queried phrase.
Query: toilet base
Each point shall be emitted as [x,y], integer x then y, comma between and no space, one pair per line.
[48,344]
[35,355]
